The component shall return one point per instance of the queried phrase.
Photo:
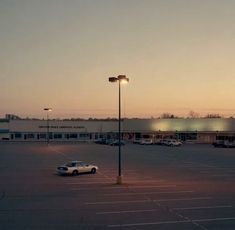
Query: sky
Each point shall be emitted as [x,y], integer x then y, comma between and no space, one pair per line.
[179,56]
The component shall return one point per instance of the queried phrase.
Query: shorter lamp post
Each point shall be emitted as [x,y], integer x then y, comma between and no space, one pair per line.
[120,79]
[48,110]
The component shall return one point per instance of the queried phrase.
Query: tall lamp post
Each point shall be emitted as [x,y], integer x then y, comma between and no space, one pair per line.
[48,110]
[120,79]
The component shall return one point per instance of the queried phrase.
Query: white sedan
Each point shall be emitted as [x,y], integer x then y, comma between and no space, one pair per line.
[174,143]
[76,167]
[146,142]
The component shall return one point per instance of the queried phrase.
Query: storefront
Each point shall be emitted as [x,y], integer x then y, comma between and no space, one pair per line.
[186,130]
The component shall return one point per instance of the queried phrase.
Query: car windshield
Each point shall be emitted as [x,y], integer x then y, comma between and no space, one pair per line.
[71,164]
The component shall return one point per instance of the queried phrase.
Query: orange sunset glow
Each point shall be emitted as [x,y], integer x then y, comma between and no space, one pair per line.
[178,55]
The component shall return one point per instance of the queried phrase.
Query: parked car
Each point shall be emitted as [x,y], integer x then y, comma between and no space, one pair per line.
[164,142]
[116,143]
[100,141]
[104,141]
[158,142]
[146,142]
[174,143]
[219,143]
[230,144]
[136,141]
[168,142]
[76,167]
[224,144]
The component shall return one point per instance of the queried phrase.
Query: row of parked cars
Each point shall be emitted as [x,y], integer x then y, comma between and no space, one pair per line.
[110,142]
[224,144]
[164,142]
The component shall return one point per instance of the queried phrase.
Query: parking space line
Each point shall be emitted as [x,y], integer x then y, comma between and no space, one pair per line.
[150,223]
[127,211]
[146,200]
[215,219]
[86,179]
[86,183]
[222,175]
[118,202]
[204,207]
[153,186]
[184,199]
[115,170]
[62,153]
[170,222]
[97,188]
[122,187]
[147,193]
[125,186]
[143,181]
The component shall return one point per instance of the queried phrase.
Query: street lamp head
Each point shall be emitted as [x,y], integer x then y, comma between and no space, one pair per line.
[123,79]
[113,79]
[120,78]
[48,109]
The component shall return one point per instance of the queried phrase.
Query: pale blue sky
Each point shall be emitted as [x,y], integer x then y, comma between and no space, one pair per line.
[178,54]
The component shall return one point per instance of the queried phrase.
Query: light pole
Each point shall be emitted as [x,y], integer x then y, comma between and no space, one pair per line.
[48,110]
[120,79]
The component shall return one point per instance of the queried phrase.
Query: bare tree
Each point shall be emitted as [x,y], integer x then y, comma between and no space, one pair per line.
[193,114]
[213,115]
[168,116]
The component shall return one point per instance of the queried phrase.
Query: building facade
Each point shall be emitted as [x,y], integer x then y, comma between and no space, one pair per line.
[201,130]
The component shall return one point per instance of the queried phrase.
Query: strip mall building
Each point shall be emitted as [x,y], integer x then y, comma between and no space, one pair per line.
[199,130]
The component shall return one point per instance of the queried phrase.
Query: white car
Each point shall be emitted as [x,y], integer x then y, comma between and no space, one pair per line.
[174,143]
[146,142]
[76,167]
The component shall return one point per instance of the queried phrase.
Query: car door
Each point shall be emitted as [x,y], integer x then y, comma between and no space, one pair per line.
[87,167]
[83,167]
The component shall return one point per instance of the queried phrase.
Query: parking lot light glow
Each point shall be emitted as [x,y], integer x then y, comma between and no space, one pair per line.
[48,109]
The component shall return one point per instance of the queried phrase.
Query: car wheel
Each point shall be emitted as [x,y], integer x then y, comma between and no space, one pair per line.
[75,172]
[93,170]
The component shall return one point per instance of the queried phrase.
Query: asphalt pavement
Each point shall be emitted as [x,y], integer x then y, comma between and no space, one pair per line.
[181,188]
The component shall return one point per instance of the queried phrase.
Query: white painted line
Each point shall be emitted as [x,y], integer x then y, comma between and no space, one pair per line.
[150,223]
[153,186]
[142,181]
[169,222]
[148,200]
[125,178]
[99,188]
[184,199]
[127,211]
[215,219]
[87,179]
[122,187]
[207,166]
[85,183]
[222,175]
[146,193]
[206,207]
[115,170]
[118,202]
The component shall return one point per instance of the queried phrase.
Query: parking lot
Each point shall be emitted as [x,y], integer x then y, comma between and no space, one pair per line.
[187,187]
